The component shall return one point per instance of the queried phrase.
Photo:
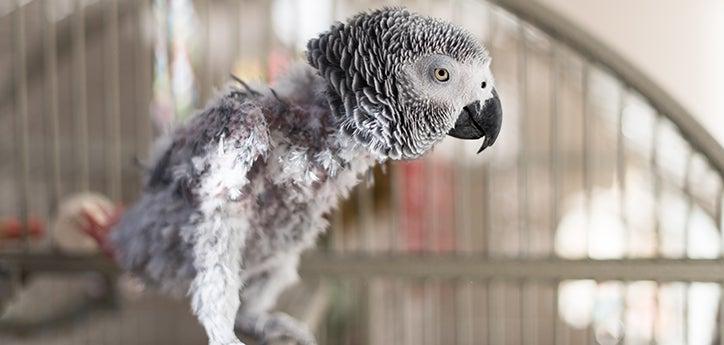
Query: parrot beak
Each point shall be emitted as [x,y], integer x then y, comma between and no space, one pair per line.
[477,121]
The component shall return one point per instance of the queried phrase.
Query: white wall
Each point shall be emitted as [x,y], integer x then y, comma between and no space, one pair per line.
[678,43]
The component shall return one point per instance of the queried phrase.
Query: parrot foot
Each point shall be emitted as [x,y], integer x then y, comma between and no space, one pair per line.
[275,328]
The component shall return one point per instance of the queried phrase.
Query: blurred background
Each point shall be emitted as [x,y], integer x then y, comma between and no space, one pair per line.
[596,218]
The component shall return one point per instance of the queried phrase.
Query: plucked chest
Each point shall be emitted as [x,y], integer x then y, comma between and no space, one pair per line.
[310,167]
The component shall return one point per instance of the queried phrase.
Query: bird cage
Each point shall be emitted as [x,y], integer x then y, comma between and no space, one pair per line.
[596,219]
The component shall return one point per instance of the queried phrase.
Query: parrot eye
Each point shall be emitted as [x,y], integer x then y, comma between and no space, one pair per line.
[441,74]
[483,85]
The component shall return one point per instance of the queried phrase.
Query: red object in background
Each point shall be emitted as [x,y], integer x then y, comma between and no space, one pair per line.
[441,212]
[278,63]
[11,229]
[428,212]
[99,230]
[413,218]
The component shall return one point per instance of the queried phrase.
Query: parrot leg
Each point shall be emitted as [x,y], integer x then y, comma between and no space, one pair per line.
[259,295]
[215,289]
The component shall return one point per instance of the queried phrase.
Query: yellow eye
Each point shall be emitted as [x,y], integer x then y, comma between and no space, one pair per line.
[441,74]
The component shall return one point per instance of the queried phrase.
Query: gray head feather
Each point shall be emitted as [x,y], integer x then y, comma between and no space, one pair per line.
[363,61]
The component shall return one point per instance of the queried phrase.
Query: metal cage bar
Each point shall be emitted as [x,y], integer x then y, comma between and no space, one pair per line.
[113,111]
[53,154]
[80,102]
[22,168]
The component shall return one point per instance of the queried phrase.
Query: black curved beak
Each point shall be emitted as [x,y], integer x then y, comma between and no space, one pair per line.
[477,121]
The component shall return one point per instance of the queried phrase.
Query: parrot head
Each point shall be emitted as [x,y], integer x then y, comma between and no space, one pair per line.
[400,82]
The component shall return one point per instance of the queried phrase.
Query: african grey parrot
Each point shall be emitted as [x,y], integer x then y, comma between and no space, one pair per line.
[239,191]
